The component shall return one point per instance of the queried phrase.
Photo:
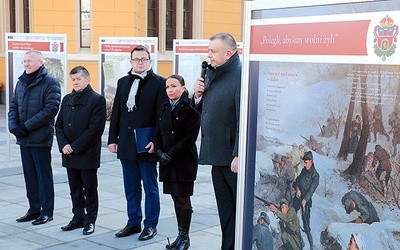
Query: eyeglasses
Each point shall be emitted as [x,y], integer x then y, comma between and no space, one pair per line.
[142,60]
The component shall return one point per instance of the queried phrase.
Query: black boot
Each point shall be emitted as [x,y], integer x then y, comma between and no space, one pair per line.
[178,239]
[186,217]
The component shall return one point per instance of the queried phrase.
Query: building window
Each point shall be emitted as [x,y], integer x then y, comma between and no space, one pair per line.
[85,23]
[19,16]
[152,17]
[170,24]
[188,19]
[169,20]
[26,15]
[13,26]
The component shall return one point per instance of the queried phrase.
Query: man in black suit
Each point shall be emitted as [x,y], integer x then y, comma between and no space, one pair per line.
[79,127]
[137,101]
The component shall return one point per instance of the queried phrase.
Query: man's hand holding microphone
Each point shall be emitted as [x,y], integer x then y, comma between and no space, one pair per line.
[199,85]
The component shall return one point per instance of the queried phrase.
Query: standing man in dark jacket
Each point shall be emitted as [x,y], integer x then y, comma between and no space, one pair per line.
[31,119]
[79,127]
[136,103]
[217,98]
[305,185]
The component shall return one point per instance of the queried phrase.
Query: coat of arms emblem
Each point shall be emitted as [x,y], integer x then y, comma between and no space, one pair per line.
[385,38]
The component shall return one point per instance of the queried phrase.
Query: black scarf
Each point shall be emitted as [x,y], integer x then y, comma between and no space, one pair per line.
[30,78]
[75,96]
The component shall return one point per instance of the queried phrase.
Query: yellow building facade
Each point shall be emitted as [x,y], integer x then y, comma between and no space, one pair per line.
[116,18]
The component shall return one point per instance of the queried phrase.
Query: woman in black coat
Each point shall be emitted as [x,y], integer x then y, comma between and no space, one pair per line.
[175,137]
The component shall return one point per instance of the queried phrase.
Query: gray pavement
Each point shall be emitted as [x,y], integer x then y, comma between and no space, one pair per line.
[204,232]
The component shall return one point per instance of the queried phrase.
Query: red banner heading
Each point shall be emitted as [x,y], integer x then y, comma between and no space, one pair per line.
[191,49]
[182,49]
[40,46]
[118,47]
[327,38]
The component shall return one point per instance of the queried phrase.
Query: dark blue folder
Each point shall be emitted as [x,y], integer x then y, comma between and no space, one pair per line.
[143,136]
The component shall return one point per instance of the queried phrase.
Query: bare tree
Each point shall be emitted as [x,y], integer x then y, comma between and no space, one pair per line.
[356,166]
[347,128]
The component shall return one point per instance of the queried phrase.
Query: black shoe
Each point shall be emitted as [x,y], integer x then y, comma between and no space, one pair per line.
[73,225]
[28,217]
[88,229]
[177,242]
[42,219]
[128,230]
[148,233]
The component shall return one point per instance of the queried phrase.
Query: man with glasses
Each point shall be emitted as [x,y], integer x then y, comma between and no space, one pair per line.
[137,101]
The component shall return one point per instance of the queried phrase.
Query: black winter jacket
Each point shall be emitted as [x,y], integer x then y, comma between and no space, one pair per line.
[35,105]
[151,94]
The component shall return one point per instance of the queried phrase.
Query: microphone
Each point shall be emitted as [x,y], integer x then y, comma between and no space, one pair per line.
[204,66]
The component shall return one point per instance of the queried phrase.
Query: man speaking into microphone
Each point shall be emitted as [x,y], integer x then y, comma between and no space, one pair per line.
[217,99]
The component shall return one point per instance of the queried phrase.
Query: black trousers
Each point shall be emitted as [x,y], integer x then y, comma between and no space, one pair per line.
[83,187]
[38,175]
[225,182]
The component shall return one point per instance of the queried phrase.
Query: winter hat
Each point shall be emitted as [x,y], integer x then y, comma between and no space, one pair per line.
[264,216]
[276,158]
[283,201]
[347,205]
[359,241]
[307,156]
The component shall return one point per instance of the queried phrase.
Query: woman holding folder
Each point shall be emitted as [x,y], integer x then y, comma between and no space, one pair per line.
[175,137]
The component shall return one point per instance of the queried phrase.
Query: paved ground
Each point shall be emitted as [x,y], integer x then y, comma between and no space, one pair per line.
[204,232]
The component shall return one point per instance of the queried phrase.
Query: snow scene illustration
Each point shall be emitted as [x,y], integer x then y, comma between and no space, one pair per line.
[340,125]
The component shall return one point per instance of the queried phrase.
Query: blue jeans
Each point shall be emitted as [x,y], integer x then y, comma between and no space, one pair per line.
[134,172]
[36,163]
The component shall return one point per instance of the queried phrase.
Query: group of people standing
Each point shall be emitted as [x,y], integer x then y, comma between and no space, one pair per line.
[147,107]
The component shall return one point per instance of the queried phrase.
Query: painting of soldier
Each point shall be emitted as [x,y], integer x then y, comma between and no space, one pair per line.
[314,145]
[262,237]
[329,129]
[288,175]
[384,166]
[377,124]
[354,200]
[394,122]
[290,226]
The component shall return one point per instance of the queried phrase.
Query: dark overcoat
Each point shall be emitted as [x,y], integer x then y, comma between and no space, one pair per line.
[307,182]
[81,124]
[219,108]
[150,95]
[176,134]
[35,105]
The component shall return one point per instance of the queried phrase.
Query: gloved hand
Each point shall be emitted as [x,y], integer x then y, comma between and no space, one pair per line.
[19,132]
[164,158]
